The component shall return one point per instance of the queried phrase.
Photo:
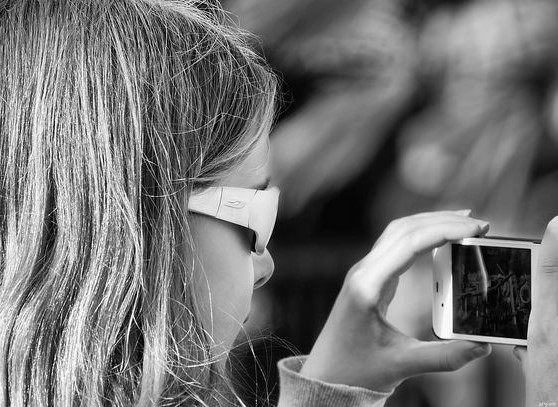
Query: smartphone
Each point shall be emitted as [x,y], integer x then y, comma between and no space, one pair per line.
[482,289]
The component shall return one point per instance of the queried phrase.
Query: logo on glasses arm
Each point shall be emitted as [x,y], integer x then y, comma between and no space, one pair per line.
[235,203]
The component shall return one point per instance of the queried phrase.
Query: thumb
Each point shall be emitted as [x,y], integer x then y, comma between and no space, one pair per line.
[444,356]
[545,278]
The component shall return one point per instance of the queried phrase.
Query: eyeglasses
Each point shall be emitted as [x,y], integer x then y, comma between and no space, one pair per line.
[254,209]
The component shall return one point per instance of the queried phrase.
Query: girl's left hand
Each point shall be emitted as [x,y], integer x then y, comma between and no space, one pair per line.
[358,346]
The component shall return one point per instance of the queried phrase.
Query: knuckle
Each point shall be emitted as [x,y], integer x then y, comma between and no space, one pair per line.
[411,240]
[549,265]
[448,363]
[362,293]
[400,224]
[444,362]
[356,267]
[391,226]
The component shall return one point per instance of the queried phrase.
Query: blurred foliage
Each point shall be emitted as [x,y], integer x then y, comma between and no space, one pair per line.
[464,90]
[399,106]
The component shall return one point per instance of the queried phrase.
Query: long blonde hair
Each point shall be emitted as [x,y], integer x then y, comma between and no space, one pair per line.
[111,112]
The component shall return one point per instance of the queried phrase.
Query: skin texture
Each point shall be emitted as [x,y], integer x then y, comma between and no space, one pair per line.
[228,271]
[540,358]
[358,346]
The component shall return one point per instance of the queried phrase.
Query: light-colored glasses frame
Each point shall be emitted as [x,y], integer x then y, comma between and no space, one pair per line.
[254,209]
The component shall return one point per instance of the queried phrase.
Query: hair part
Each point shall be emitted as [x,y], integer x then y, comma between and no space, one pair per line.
[111,112]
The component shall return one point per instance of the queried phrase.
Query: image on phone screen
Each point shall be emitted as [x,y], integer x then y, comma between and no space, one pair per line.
[491,290]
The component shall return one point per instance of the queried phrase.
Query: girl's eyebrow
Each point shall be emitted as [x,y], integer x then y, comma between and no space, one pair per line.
[264,185]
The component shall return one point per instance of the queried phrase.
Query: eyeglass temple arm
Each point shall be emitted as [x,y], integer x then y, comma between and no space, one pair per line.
[230,204]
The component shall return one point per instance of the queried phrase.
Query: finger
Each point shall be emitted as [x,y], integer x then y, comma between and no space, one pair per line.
[404,228]
[397,253]
[456,212]
[400,227]
[460,212]
[545,279]
[444,356]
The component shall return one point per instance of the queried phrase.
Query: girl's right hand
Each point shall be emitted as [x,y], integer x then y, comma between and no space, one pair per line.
[540,362]
[358,346]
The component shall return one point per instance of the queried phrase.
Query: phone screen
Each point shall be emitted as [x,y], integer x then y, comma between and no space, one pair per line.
[491,290]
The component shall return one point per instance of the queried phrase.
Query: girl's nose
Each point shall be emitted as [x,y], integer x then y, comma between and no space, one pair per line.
[263,268]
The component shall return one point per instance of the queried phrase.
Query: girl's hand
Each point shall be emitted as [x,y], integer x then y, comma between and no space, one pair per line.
[540,363]
[358,346]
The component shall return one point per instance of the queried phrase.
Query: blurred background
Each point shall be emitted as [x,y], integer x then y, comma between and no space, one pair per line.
[392,107]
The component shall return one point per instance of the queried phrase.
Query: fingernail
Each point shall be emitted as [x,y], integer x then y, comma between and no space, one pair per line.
[464,212]
[484,225]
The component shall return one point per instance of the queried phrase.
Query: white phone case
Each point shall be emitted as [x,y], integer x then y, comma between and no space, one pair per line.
[443,297]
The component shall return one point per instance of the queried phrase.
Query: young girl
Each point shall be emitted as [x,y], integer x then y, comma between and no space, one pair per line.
[136,212]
